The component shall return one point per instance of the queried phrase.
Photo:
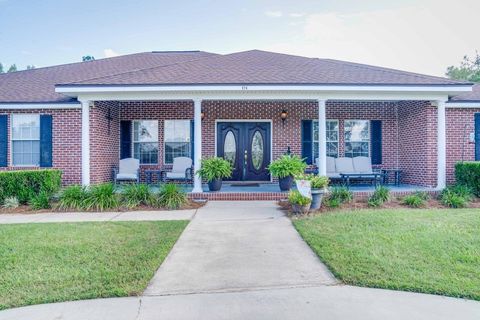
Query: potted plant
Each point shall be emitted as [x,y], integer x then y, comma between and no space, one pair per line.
[318,185]
[300,204]
[285,168]
[213,170]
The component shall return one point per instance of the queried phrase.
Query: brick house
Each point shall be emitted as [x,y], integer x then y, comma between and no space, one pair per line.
[83,117]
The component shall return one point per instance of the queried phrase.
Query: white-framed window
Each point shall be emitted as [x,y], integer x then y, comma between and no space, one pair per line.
[332,139]
[25,139]
[177,140]
[357,138]
[145,141]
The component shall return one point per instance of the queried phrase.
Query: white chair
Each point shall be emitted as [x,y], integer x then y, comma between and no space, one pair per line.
[129,170]
[362,165]
[344,165]
[181,170]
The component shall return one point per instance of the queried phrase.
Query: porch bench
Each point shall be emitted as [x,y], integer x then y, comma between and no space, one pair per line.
[345,169]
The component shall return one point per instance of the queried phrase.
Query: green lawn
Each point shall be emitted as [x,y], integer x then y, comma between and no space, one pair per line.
[41,263]
[431,251]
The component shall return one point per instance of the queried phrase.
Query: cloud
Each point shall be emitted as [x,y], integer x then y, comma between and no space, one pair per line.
[425,38]
[274,14]
[110,53]
[296,15]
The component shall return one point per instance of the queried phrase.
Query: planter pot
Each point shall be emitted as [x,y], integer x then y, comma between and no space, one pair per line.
[317,197]
[285,183]
[215,185]
[298,209]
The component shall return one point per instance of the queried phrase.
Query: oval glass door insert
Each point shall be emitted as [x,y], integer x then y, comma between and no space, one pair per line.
[257,150]
[230,148]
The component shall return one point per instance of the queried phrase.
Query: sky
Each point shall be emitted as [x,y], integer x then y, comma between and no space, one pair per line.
[423,36]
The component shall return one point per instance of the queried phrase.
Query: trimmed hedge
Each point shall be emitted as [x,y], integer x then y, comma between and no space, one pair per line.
[468,174]
[25,184]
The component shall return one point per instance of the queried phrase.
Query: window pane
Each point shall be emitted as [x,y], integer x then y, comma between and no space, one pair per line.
[357,138]
[145,131]
[25,127]
[25,153]
[332,138]
[177,139]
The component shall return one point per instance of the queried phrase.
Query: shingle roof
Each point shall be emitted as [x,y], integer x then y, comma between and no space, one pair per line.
[38,85]
[473,96]
[196,67]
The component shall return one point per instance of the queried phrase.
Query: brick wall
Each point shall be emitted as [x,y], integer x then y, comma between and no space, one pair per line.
[66,141]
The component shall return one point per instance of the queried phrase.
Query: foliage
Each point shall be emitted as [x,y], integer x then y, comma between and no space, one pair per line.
[73,197]
[316,181]
[171,196]
[469,69]
[468,174]
[13,68]
[416,200]
[25,184]
[455,197]
[287,165]
[338,196]
[215,168]
[295,197]
[10,203]
[88,58]
[379,196]
[136,194]
[40,201]
[101,197]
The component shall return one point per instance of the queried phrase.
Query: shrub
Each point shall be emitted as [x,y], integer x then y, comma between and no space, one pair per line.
[379,196]
[171,196]
[101,197]
[454,197]
[72,197]
[287,165]
[11,203]
[415,200]
[215,168]
[25,184]
[468,174]
[295,197]
[136,194]
[40,201]
[338,196]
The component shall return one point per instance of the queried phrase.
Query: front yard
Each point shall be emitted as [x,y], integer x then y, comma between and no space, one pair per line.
[430,251]
[41,263]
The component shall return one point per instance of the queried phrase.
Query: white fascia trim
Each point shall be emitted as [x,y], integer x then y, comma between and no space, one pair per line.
[464,104]
[243,88]
[31,106]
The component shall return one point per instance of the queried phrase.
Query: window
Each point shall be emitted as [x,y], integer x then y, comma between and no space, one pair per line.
[357,138]
[145,141]
[26,139]
[332,139]
[177,139]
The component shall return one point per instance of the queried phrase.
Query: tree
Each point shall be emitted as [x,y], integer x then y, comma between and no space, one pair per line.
[469,69]
[12,68]
[88,58]
[1,68]
[30,67]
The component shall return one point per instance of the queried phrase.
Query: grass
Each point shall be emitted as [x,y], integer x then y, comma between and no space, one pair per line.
[42,263]
[430,251]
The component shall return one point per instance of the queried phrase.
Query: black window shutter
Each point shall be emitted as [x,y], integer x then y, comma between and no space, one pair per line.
[125,139]
[3,140]
[307,141]
[46,143]
[192,139]
[477,136]
[376,141]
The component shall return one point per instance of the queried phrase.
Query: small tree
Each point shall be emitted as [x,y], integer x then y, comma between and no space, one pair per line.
[30,67]
[88,58]
[469,69]
[1,68]
[12,68]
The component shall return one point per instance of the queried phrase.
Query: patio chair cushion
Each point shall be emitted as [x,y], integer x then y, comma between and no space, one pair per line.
[362,164]
[344,165]
[129,166]
[180,165]
[331,165]
[126,176]
[175,175]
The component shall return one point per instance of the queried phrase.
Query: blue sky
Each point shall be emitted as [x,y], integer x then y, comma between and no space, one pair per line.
[423,36]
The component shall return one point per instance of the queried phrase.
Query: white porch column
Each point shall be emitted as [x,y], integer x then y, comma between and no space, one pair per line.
[197,152]
[322,138]
[85,142]
[441,146]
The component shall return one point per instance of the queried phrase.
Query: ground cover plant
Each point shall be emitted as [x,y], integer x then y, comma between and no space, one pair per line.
[379,196]
[416,200]
[338,196]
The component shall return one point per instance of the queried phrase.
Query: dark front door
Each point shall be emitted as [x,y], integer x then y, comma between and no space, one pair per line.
[247,146]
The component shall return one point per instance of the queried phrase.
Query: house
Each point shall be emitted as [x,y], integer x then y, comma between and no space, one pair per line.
[250,107]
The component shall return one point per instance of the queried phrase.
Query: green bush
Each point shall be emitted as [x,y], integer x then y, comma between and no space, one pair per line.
[171,196]
[72,197]
[25,184]
[40,201]
[379,196]
[316,181]
[468,174]
[136,194]
[338,196]
[215,168]
[287,165]
[295,197]
[10,203]
[416,200]
[101,197]
[454,197]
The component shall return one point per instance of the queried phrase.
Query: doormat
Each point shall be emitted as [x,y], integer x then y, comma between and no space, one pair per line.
[253,184]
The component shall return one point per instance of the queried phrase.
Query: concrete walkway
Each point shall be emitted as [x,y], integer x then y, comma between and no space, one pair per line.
[244,260]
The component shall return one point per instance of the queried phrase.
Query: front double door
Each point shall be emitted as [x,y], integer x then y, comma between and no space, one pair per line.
[247,146]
